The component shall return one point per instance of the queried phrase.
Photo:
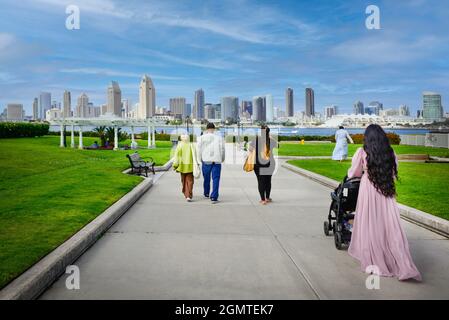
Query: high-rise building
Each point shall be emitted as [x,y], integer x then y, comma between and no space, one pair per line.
[14,112]
[229,109]
[44,104]
[330,111]
[259,109]
[198,105]
[289,104]
[217,110]
[147,98]
[125,108]
[310,102]
[359,107]
[269,108]
[209,111]
[114,99]
[82,106]
[35,109]
[404,110]
[67,104]
[374,108]
[246,107]
[188,110]
[432,107]
[177,107]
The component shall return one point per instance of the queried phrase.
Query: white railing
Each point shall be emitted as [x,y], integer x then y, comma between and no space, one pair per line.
[436,140]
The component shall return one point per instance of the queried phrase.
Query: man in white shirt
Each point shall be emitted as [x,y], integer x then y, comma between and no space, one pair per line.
[211,153]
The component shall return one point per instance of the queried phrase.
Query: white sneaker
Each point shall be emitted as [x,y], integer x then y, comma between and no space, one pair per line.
[189,199]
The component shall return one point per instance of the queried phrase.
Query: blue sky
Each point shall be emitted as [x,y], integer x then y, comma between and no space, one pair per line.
[233,47]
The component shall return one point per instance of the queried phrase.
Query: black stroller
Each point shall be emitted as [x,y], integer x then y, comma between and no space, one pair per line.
[344,202]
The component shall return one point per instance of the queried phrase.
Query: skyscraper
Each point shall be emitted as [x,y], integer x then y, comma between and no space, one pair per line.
[259,109]
[44,104]
[209,111]
[67,104]
[125,108]
[35,109]
[14,112]
[188,110]
[82,106]
[310,102]
[359,108]
[198,105]
[404,110]
[330,111]
[114,99]
[289,106]
[432,107]
[374,108]
[147,98]
[229,108]
[177,107]
[269,108]
[246,107]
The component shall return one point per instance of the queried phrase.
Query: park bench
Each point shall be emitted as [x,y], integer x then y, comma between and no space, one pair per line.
[138,165]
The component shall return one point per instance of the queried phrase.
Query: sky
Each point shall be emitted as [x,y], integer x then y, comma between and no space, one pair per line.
[240,48]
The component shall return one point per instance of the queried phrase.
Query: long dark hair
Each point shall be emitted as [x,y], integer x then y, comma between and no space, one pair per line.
[381,160]
[265,128]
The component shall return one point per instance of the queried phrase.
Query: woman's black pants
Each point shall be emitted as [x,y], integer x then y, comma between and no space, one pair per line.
[264,185]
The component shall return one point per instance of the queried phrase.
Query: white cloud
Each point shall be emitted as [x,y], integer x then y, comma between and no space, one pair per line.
[114,73]
[385,50]
[218,64]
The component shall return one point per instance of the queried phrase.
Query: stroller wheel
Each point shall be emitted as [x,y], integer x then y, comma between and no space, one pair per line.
[338,240]
[326,228]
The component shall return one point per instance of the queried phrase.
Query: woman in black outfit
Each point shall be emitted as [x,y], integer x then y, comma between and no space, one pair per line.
[265,164]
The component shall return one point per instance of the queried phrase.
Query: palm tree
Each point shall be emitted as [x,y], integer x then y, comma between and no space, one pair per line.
[102,134]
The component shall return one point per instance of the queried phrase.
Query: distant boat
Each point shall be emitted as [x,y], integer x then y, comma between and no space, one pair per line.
[295,131]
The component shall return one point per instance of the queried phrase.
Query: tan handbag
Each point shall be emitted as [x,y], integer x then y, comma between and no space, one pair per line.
[248,166]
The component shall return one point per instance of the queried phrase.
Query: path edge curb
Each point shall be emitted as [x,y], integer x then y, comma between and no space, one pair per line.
[420,218]
[33,282]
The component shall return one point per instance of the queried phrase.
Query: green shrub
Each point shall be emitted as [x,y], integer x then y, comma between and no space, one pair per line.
[23,129]
[392,137]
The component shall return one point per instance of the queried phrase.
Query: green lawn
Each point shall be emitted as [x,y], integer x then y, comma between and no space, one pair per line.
[48,193]
[423,186]
[325,149]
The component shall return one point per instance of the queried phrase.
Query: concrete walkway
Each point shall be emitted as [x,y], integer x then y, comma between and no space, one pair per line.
[165,248]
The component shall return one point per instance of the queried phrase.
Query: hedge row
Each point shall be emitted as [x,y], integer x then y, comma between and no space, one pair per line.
[22,129]
[392,137]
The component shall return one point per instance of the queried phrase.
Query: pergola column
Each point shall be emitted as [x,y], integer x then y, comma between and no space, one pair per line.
[80,144]
[132,135]
[153,134]
[61,143]
[72,137]
[115,138]
[149,137]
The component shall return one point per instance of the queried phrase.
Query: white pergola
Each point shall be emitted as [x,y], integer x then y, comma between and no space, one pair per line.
[107,122]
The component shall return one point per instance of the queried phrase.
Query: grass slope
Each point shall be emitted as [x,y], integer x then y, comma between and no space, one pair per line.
[48,193]
[423,186]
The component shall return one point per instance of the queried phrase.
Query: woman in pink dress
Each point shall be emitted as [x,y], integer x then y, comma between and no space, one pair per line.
[378,239]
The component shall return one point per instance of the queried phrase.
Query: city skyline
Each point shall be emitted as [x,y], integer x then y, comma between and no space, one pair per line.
[311,48]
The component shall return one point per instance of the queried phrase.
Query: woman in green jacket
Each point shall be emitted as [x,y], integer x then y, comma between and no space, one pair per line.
[184,164]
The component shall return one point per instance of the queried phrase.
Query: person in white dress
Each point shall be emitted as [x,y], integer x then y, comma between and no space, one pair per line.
[341,147]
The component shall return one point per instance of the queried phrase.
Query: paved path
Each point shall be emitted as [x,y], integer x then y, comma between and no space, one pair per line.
[165,248]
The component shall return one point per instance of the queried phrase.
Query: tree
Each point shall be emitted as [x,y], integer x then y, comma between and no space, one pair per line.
[110,134]
[101,131]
